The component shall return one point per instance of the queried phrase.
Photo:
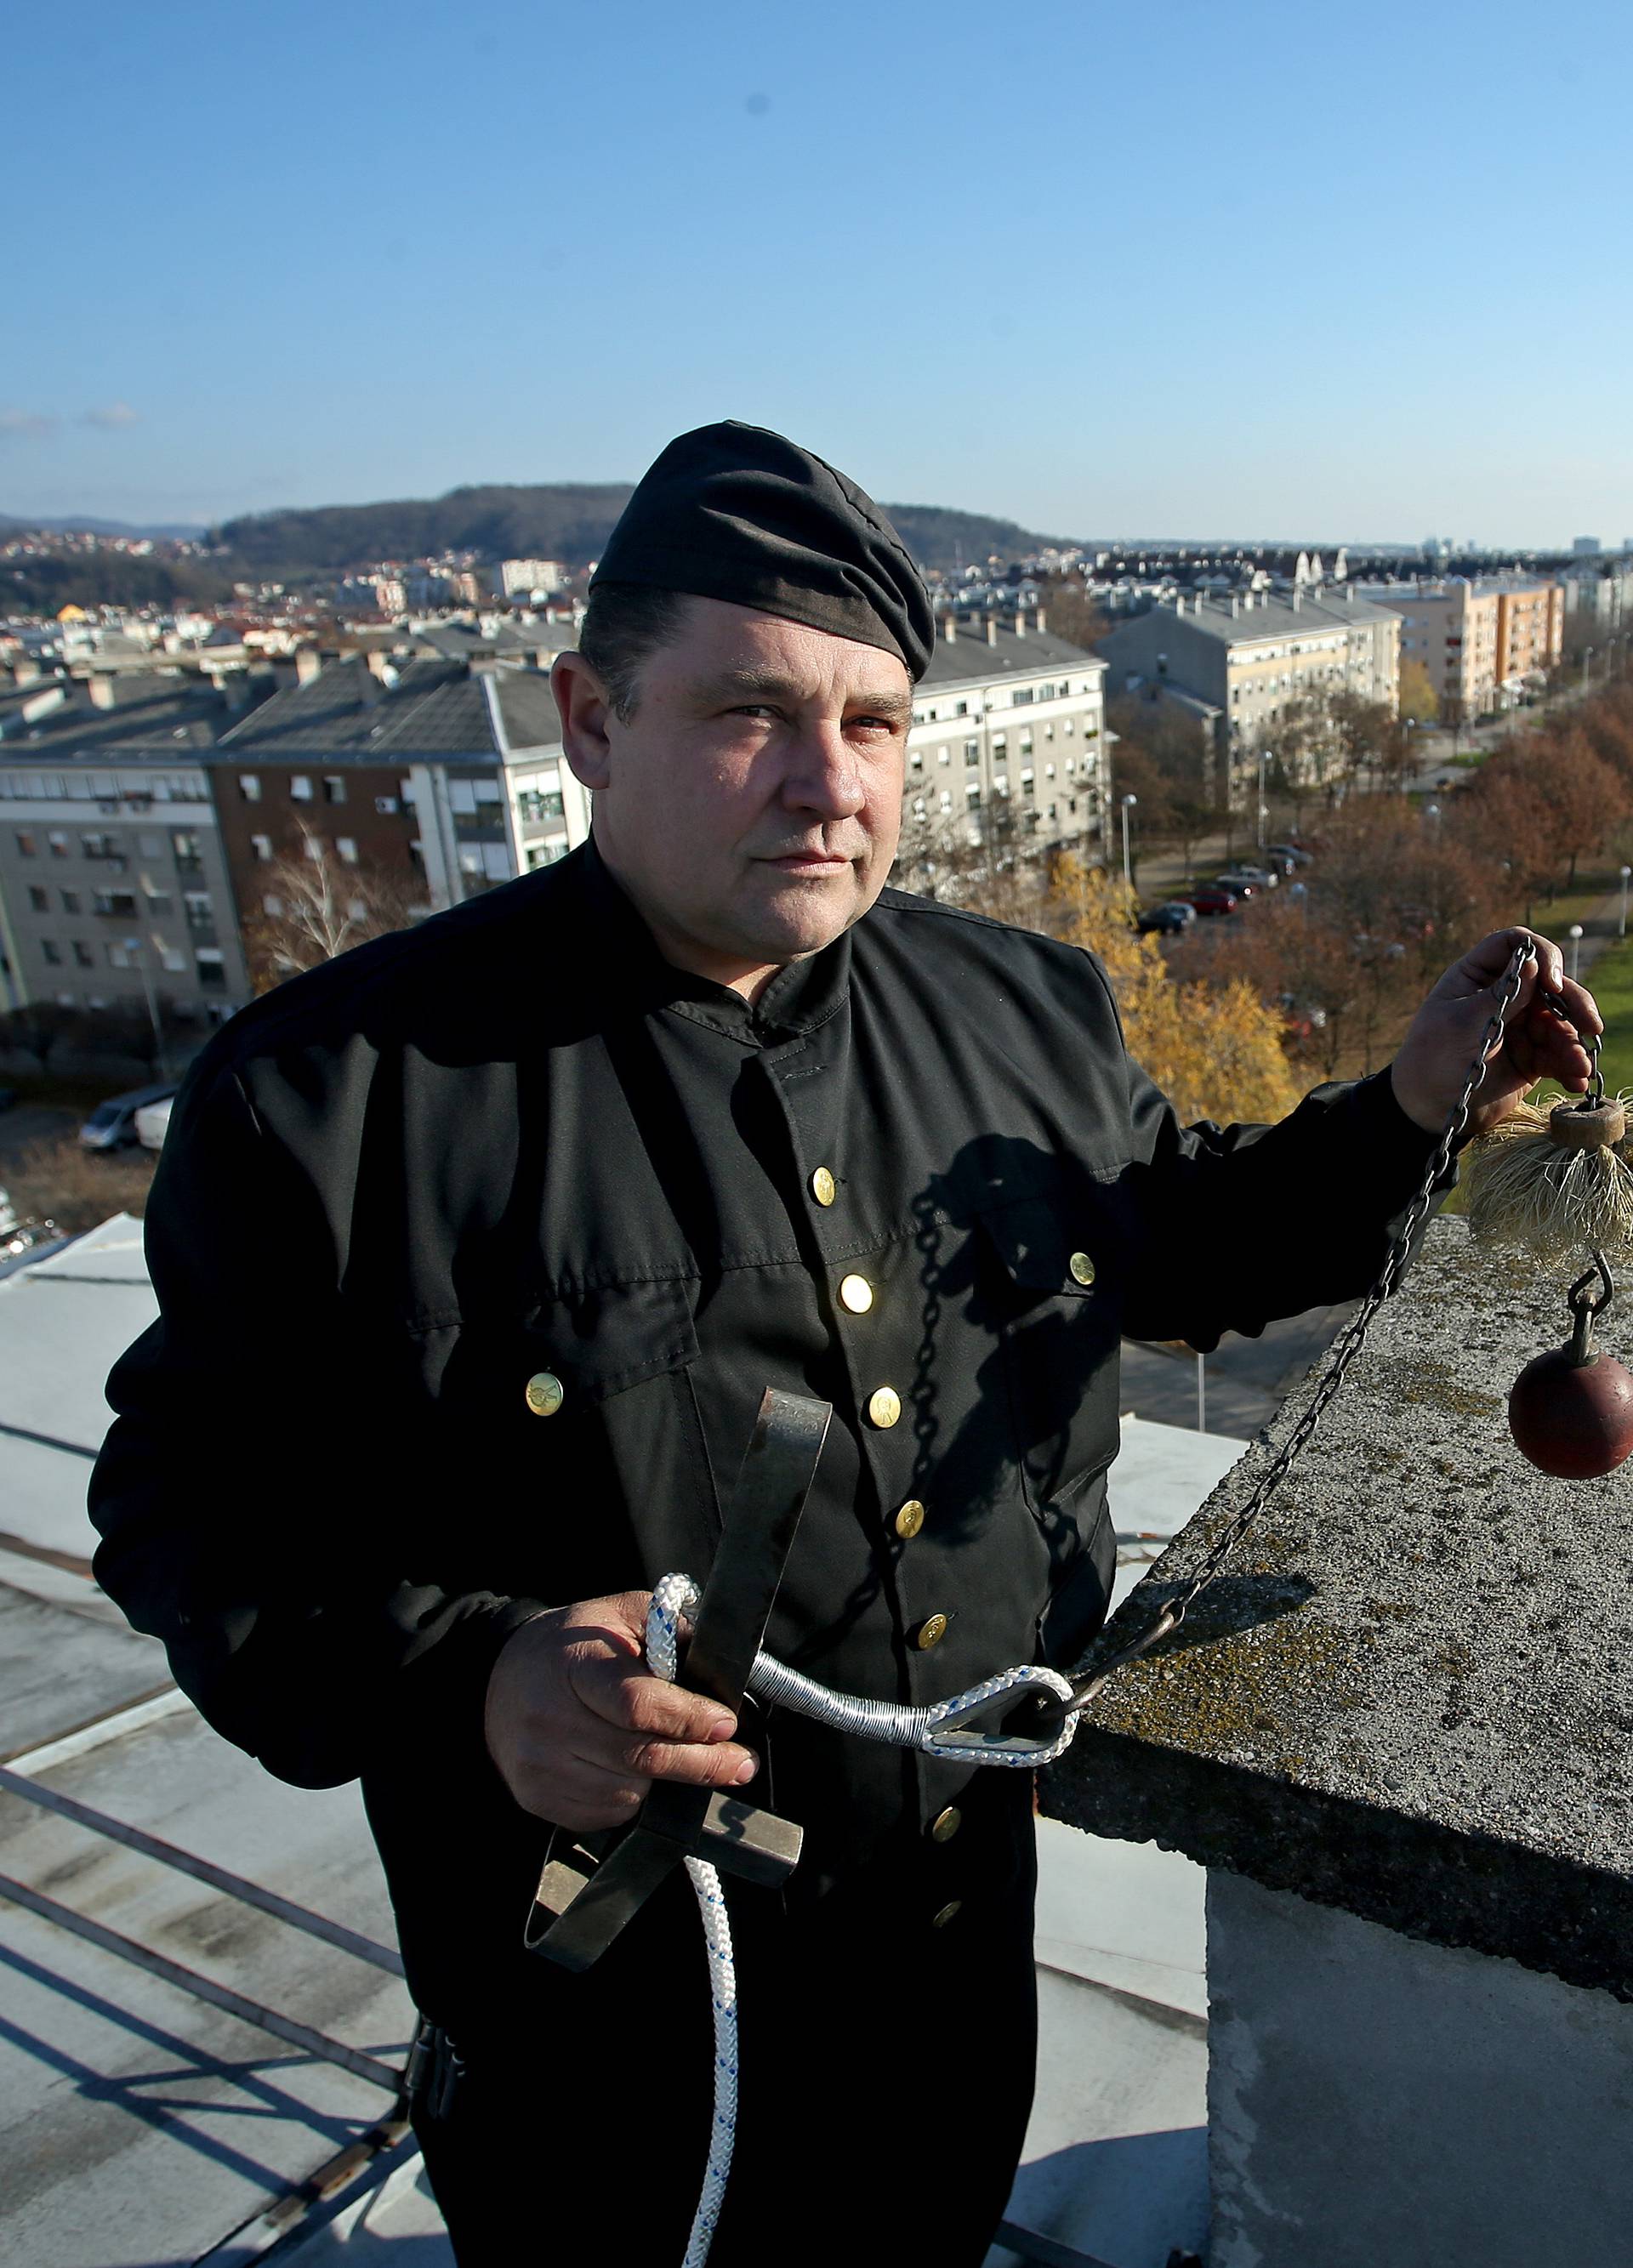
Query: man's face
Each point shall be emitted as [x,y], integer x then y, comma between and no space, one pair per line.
[752,805]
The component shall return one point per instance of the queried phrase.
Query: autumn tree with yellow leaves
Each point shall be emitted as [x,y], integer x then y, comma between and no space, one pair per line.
[1215,1049]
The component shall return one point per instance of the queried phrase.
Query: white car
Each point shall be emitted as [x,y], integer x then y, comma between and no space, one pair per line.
[151,1121]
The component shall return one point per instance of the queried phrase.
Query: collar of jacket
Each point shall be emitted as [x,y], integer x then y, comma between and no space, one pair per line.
[798,999]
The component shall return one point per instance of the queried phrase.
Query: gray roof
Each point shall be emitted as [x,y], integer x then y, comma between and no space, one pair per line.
[164,714]
[971,659]
[437,708]
[1268,618]
[458,641]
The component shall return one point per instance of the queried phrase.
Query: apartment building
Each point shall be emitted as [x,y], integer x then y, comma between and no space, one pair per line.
[446,775]
[1484,645]
[1007,718]
[1248,657]
[114,885]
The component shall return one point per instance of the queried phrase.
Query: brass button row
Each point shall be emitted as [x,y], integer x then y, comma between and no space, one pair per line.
[545,1393]
[946,1824]
[1082,1268]
[884,1407]
[824,1189]
[940,1921]
[856,1294]
[930,1632]
[909,1519]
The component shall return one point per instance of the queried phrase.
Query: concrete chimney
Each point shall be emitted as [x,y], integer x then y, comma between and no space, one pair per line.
[991,630]
[100,689]
[308,661]
[950,628]
[1020,622]
[1299,598]
[1418,1912]
[1040,621]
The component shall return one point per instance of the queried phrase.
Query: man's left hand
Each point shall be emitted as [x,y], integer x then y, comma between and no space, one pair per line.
[1428,1073]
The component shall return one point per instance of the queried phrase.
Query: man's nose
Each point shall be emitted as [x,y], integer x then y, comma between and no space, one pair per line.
[823,774]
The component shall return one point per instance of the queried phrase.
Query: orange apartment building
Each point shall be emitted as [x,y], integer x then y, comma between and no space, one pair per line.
[1484,645]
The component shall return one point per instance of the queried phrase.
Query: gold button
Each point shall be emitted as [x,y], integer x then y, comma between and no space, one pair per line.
[823,1187]
[884,1406]
[946,1824]
[1082,1268]
[545,1393]
[953,1907]
[910,1519]
[930,1632]
[856,1294]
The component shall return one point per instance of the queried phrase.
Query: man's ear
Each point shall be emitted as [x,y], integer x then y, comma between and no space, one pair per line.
[586,715]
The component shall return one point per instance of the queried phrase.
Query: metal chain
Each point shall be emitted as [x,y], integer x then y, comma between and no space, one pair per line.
[1342,1354]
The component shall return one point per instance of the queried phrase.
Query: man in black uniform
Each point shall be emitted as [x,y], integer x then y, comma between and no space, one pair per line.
[474,1251]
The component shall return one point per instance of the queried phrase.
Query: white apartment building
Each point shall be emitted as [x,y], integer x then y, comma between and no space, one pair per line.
[521,578]
[1250,657]
[1008,717]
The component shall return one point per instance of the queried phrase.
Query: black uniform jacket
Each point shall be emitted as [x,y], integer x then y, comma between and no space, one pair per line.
[512,1146]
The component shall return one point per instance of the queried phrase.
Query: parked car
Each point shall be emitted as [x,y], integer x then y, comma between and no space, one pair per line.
[151,1122]
[111,1124]
[1172,916]
[1239,885]
[1299,858]
[1212,901]
[1266,877]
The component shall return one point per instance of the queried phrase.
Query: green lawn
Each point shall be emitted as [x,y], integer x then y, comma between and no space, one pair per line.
[1610,980]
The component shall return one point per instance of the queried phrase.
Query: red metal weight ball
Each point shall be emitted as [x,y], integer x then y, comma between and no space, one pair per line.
[1572,1419]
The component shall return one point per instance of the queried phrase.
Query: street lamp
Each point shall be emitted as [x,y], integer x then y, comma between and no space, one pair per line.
[133,945]
[1627,875]
[1129,802]
[1575,934]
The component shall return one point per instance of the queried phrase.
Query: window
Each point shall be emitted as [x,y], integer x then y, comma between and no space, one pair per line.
[972,754]
[158,904]
[1066,727]
[261,847]
[1001,746]
[39,899]
[189,860]
[211,967]
[82,956]
[973,795]
[963,709]
[334,788]
[1024,695]
[347,849]
[915,762]
[52,953]
[1026,744]
[120,903]
[271,903]
[315,848]
[173,959]
[27,847]
[300,787]
[118,957]
[200,914]
[71,901]
[58,842]
[249,786]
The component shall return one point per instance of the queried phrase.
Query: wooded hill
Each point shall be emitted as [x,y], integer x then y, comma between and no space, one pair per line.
[552,521]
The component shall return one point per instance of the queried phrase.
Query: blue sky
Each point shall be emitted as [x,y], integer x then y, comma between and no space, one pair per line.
[1189,267]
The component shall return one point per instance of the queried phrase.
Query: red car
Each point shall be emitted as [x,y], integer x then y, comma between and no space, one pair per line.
[1212,901]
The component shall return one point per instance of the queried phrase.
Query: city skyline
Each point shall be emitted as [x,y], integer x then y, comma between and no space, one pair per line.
[1231,271]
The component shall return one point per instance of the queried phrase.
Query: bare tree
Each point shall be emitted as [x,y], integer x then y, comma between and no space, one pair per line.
[318,905]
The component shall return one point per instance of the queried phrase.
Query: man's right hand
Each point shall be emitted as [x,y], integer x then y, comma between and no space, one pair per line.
[580,1728]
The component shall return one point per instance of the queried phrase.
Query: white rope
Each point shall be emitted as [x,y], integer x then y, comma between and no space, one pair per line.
[936,1732]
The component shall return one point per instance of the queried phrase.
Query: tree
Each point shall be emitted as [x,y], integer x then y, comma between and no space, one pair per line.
[1073,612]
[40,1030]
[1419,703]
[319,905]
[1215,1049]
